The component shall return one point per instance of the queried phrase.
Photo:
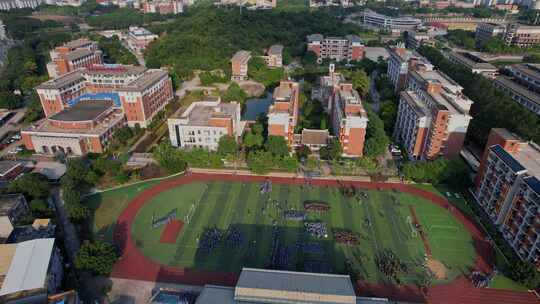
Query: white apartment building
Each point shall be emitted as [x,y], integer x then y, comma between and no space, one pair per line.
[203,123]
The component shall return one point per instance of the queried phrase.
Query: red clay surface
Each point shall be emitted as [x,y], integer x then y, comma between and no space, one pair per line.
[134,265]
[171,231]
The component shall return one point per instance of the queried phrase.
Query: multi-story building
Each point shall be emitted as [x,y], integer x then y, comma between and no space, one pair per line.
[523,86]
[239,65]
[274,56]
[400,61]
[348,48]
[508,190]
[13,208]
[376,21]
[486,31]
[416,39]
[164,7]
[433,116]
[85,127]
[349,119]
[140,92]
[283,113]
[6,5]
[73,55]
[138,38]
[522,35]
[326,88]
[314,139]
[474,63]
[326,3]
[30,271]
[203,123]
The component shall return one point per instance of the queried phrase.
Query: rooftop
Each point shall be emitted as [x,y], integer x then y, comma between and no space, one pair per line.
[52,170]
[7,165]
[216,294]
[473,61]
[275,49]
[282,93]
[314,137]
[114,69]
[414,100]
[85,110]
[517,88]
[199,113]
[275,286]
[8,201]
[241,57]
[530,69]
[77,54]
[28,265]
[139,31]
[146,80]
[529,157]
[62,81]
[315,37]
[78,43]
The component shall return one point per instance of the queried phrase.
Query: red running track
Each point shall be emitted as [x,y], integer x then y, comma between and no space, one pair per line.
[171,231]
[134,265]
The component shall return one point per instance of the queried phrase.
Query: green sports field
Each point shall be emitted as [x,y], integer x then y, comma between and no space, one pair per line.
[380,220]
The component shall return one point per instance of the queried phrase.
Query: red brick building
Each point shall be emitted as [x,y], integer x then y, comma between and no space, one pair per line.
[283,114]
[73,55]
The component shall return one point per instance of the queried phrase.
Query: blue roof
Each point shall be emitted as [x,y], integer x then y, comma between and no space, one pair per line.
[507,158]
[97,96]
[534,183]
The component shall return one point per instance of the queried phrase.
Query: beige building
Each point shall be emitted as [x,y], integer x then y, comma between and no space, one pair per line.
[239,65]
[283,113]
[474,63]
[203,123]
[274,56]
[522,35]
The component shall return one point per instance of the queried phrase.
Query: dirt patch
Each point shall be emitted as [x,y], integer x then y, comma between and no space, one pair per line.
[252,88]
[58,18]
[437,268]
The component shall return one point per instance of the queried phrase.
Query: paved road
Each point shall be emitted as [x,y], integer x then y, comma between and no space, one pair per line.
[71,240]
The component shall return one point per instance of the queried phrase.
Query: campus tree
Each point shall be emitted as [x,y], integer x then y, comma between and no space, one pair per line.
[331,152]
[360,82]
[260,162]
[277,146]
[253,140]
[169,158]
[234,93]
[376,139]
[526,274]
[34,185]
[97,257]
[227,145]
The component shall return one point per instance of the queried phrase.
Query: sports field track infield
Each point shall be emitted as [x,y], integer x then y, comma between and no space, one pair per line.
[135,265]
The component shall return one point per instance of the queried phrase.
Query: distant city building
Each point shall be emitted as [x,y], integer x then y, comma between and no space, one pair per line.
[283,113]
[326,3]
[203,123]
[86,127]
[164,7]
[416,39]
[138,38]
[508,190]
[473,63]
[250,4]
[73,55]
[374,20]
[460,23]
[75,3]
[239,65]
[523,86]
[402,60]
[274,56]
[433,116]
[523,36]
[348,48]
[6,5]
[486,31]
[30,271]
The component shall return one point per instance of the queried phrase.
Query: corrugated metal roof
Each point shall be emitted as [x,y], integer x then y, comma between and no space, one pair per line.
[507,158]
[287,286]
[28,269]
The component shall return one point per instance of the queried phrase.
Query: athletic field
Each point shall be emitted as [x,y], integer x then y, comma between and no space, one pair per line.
[222,226]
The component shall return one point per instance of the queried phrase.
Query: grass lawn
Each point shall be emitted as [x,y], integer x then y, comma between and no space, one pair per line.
[108,205]
[502,282]
[237,210]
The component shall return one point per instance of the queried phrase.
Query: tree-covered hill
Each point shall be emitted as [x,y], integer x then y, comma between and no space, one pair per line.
[206,37]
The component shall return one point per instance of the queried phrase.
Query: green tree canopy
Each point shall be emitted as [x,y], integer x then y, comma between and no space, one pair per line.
[34,185]
[227,145]
[360,82]
[277,146]
[97,257]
